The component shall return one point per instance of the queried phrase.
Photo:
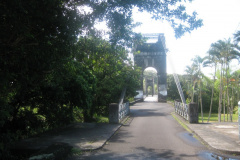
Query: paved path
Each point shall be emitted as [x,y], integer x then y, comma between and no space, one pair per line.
[152,134]
[79,135]
[221,136]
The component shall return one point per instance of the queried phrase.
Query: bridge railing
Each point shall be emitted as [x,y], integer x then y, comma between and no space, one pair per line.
[181,109]
[124,110]
[187,111]
[118,111]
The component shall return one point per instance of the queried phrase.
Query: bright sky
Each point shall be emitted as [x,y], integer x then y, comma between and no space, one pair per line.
[221,19]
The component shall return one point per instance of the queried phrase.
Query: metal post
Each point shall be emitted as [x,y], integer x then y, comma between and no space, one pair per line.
[239,118]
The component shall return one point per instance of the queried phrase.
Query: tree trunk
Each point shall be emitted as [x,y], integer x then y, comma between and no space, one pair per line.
[223,88]
[201,101]
[224,105]
[231,110]
[238,97]
[220,97]
[228,100]
[210,108]
[192,100]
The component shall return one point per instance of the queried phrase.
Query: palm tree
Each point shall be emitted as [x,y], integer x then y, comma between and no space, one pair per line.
[226,51]
[211,61]
[191,71]
[237,36]
[197,63]
[234,84]
[237,41]
[230,54]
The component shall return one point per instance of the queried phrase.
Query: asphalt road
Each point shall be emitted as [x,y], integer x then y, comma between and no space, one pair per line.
[152,134]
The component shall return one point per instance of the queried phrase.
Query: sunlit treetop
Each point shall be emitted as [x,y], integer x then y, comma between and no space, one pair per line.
[118,15]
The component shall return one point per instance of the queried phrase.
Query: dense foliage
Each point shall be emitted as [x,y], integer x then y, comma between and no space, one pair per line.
[219,93]
[112,70]
[172,90]
[40,81]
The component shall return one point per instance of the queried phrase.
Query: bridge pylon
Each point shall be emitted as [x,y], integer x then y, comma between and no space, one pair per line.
[153,54]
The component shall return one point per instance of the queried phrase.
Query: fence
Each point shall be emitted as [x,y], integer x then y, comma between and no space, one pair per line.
[182,109]
[124,110]
[118,111]
[187,111]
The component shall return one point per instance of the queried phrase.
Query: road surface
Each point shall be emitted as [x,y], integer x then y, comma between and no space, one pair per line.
[152,134]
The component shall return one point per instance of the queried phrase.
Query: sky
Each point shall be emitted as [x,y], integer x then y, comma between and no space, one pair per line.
[221,19]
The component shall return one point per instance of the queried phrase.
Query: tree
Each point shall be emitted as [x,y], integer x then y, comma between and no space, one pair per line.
[38,74]
[237,40]
[237,36]
[172,88]
[118,15]
[112,71]
[234,84]
[225,50]
[197,63]
[191,71]
[211,61]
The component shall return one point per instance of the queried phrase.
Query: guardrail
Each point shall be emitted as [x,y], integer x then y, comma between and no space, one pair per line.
[124,110]
[181,109]
[187,111]
[118,111]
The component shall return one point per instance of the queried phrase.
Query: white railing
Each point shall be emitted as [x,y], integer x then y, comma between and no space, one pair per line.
[123,110]
[181,109]
[118,111]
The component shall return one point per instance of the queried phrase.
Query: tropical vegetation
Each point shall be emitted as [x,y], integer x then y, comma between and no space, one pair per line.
[219,93]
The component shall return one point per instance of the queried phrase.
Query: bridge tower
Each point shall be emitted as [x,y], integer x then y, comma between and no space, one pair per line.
[153,54]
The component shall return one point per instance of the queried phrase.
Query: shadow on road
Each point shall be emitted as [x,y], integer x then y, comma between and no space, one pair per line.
[147,113]
[140,153]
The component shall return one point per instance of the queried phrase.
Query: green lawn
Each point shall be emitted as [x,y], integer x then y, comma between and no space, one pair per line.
[101,119]
[214,117]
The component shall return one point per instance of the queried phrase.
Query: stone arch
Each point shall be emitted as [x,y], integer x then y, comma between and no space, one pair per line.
[150,84]
[150,90]
[150,80]
[154,55]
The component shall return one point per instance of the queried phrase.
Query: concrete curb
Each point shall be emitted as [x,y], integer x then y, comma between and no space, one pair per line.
[104,142]
[190,129]
[122,123]
[56,151]
[65,150]
[125,122]
[212,147]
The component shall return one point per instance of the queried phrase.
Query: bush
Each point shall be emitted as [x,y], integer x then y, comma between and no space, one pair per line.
[235,110]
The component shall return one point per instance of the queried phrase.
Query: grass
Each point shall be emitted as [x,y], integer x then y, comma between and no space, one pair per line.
[76,152]
[214,117]
[181,123]
[186,127]
[101,119]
